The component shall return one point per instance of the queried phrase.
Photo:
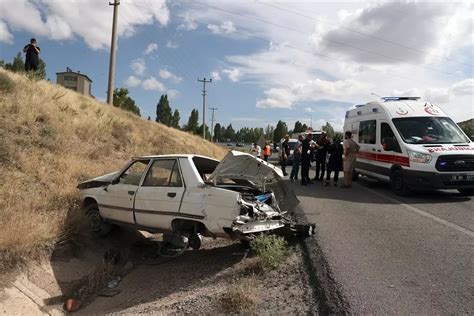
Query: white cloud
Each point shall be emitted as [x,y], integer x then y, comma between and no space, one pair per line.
[226,27]
[152,84]
[150,48]
[232,74]
[172,93]
[189,24]
[171,44]
[311,90]
[309,110]
[165,74]
[90,20]
[138,66]
[132,82]
[215,75]
[465,87]
[5,35]
[433,28]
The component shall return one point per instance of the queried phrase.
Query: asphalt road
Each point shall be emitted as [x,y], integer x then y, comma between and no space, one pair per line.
[392,255]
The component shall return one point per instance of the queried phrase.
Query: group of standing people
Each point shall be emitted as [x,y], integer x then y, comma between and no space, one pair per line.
[328,156]
[256,151]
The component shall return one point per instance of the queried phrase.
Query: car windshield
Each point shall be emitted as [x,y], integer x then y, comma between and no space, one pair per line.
[429,130]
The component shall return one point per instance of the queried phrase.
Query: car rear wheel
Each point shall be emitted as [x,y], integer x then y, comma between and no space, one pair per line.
[466,192]
[398,184]
[96,223]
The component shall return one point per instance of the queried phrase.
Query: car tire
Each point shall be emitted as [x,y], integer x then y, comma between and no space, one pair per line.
[398,184]
[466,192]
[96,223]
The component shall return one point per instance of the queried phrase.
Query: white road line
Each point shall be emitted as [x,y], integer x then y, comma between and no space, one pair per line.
[420,212]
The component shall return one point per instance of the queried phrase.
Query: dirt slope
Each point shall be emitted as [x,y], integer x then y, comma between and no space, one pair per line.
[52,138]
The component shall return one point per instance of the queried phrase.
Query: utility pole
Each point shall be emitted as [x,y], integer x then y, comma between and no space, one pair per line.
[113,44]
[212,122]
[204,94]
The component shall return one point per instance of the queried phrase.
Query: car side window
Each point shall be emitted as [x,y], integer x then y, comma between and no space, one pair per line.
[163,173]
[134,173]
[368,132]
[388,139]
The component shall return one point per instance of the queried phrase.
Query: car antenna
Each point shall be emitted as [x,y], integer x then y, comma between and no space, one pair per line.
[376,95]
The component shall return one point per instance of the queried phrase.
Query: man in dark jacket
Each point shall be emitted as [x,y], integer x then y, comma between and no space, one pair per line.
[306,159]
[323,145]
[335,152]
[285,154]
[32,51]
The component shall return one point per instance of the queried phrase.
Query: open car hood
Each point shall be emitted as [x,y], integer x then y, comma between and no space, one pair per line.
[98,182]
[239,165]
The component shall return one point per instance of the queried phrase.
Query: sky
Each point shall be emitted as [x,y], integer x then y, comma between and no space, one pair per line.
[268,60]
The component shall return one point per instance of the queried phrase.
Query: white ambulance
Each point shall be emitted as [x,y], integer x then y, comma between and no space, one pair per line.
[412,144]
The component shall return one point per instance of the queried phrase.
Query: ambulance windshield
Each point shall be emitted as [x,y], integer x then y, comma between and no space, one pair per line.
[429,130]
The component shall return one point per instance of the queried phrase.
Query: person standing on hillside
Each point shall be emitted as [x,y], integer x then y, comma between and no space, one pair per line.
[296,159]
[323,145]
[32,51]
[285,154]
[350,150]
[267,151]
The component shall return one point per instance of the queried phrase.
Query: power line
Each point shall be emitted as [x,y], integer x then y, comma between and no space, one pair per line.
[325,38]
[284,44]
[362,33]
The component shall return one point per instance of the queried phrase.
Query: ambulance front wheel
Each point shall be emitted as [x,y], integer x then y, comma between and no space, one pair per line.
[398,184]
[466,192]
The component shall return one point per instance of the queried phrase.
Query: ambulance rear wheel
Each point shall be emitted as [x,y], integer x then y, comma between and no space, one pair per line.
[398,184]
[466,192]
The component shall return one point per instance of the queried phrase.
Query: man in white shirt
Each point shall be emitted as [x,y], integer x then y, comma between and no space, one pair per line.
[256,150]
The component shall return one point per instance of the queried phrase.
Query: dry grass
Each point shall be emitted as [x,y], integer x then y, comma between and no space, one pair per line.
[240,297]
[51,139]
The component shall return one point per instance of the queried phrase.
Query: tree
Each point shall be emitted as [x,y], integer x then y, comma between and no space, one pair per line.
[163,111]
[208,132]
[468,128]
[18,65]
[175,119]
[280,131]
[304,127]
[123,101]
[329,130]
[149,118]
[192,125]
[229,133]
[217,133]
[298,127]
[269,130]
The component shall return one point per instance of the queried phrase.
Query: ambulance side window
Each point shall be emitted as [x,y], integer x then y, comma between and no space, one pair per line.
[387,139]
[367,132]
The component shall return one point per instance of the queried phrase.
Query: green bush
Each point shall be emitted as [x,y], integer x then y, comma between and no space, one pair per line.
[272,250]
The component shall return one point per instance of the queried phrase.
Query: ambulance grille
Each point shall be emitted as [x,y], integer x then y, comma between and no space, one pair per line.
[455,163]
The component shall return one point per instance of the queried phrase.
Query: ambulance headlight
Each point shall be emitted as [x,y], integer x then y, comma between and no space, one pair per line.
[419,157]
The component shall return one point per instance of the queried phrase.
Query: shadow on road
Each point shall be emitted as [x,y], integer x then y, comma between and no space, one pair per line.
[358,195]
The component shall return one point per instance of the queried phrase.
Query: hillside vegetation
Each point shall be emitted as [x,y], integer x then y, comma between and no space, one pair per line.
[51,139]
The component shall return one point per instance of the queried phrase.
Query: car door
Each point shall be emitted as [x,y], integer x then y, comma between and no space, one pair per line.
[388,150]
[117,201]
[367,155]
[158,199]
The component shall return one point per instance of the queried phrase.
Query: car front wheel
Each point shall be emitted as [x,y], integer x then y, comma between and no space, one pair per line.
[96,223]
[398,184]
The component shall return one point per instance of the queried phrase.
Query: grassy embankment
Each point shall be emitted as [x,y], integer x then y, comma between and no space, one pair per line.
[51,139]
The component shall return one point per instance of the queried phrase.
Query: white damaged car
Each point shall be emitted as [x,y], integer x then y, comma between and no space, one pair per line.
[189,196]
